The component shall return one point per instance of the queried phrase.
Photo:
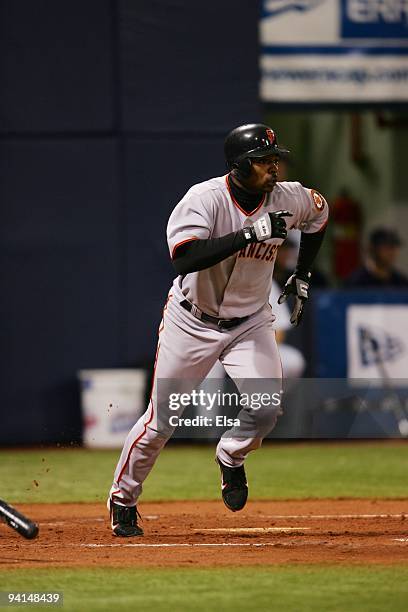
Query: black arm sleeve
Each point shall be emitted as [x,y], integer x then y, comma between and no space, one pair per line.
[200,254]
[308,250]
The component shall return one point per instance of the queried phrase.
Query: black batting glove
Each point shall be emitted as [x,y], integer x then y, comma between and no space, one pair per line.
[271,225]
[298,286]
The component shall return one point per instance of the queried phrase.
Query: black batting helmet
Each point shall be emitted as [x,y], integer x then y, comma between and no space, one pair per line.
[247,142]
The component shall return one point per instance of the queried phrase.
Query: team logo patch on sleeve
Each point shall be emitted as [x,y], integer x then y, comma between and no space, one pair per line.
[318,200]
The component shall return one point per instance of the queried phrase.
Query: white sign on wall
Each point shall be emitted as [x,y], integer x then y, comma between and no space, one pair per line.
[334,51]
[377,341]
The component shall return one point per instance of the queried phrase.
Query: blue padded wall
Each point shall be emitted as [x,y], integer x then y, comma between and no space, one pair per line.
[109,111]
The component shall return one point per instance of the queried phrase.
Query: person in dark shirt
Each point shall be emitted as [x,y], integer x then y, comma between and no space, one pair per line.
[379,268]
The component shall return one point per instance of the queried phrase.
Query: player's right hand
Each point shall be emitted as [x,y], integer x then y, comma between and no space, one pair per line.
[271,225]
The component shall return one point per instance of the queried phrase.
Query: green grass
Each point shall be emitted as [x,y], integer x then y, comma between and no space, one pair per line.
[275,471]
[289,589]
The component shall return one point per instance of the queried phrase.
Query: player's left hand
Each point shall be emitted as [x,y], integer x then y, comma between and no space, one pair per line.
[299,288]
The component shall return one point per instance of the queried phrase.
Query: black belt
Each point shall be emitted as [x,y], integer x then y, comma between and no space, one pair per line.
[203,316]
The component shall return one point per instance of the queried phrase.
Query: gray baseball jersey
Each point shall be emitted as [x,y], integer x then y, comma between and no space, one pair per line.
[240,285]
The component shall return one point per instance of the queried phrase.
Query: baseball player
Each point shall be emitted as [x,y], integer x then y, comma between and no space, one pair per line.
[223,237]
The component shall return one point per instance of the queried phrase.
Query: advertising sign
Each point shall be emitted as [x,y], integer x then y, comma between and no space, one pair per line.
[334,51]
[377,341]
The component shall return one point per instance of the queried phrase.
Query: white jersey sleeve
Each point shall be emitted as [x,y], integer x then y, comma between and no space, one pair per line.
[312,210]
[191,219]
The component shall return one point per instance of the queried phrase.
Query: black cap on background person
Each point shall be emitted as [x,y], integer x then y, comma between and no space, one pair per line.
[385,236]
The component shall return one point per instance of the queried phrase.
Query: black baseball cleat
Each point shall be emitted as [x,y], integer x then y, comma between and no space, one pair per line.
[124,521]
[234,486]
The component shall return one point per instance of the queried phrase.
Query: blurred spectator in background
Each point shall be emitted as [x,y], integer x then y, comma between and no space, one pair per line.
[379,268]
[286,258]
[293,362]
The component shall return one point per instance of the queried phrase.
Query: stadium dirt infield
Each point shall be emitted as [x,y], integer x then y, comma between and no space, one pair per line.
[342,531]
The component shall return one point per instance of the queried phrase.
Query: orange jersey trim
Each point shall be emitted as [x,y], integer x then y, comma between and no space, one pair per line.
[147,422]
[321,229]
[248,214]
[182,242]
[150,398]
[323,226]
[161,326]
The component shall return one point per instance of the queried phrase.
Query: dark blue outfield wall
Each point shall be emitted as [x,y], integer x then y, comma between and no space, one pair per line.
[109,111]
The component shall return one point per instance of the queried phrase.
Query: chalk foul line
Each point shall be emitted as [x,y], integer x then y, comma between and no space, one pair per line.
[251,529]
[403,515]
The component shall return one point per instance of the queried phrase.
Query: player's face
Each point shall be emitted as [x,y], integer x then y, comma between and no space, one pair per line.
[264,173]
